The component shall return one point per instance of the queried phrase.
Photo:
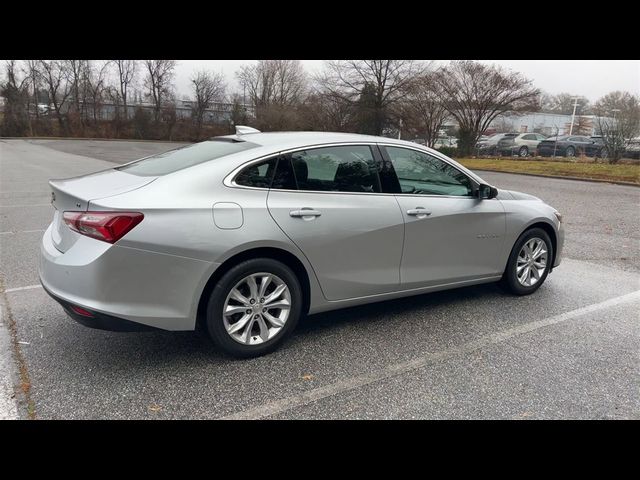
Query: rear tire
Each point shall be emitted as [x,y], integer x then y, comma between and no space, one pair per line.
[265,328]
[520,266]
[570,152]
[523,152]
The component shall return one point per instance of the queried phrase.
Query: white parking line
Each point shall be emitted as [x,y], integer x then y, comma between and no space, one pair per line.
[27,205]
[22,231]
[316,394]
[17,289]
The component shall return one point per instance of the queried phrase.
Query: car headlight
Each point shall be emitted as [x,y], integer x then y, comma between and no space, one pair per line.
[558,216]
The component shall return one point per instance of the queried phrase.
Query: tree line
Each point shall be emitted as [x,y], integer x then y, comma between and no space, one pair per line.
[404,98]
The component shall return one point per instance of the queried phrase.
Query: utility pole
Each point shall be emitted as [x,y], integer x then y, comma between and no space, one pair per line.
[573,115]
[400,130]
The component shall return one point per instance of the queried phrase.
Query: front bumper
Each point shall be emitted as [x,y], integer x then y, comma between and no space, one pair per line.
[121,286]
[559,246]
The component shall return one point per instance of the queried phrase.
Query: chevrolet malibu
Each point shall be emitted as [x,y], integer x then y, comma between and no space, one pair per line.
[243,234]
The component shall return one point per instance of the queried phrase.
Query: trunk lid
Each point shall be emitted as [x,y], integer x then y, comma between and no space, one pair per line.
[75,194]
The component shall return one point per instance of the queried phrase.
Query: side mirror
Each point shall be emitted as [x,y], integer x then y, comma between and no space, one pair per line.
[486,191]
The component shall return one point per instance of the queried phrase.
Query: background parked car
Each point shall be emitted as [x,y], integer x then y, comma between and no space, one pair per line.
[571,146]
[523,145]
[489,146]
[446,142]
[633,149]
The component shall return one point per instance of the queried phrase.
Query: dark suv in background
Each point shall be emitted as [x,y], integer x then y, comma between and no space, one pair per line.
[571,146]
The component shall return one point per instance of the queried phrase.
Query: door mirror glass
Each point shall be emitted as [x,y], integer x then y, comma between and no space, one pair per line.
[486,191]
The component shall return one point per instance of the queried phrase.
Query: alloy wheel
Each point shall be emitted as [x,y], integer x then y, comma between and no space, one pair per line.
[532,261]
[257,308]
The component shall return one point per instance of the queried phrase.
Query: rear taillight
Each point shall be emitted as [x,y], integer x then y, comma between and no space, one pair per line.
[106,226]
[81,311]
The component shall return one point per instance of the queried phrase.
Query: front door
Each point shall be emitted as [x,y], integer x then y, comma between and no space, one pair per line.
[335,213]
[450,236]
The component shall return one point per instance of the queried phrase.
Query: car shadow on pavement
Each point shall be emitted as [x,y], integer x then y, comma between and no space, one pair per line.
[379,312]
[114,350]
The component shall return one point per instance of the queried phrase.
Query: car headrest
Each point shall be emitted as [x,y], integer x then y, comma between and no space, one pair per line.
[355,177]
[301,169]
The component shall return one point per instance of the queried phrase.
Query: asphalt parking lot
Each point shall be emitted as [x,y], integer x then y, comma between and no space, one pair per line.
[571,350]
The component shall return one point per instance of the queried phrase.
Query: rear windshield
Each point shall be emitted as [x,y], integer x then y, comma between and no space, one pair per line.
[174,160]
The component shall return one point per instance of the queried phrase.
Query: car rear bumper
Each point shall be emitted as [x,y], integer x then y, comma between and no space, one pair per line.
[122,286]
[100,321]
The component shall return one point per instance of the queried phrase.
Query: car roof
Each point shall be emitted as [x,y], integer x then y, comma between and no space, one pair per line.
[294,139]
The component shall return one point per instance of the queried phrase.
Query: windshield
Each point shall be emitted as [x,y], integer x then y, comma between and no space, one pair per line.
[184,157]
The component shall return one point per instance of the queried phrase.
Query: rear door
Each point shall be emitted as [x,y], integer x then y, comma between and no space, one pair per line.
[336,213]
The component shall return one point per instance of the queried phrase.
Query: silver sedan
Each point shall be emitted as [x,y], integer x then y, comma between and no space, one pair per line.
[243,234]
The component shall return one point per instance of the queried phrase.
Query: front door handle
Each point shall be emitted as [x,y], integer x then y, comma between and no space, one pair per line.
[419,212]
[305,212]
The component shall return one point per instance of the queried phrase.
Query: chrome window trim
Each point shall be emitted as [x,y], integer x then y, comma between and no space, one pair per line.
[229,180]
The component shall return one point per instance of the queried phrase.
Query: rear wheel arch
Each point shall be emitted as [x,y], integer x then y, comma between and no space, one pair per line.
[274,253]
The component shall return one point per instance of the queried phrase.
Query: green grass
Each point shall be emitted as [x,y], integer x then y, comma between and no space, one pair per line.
[595,171]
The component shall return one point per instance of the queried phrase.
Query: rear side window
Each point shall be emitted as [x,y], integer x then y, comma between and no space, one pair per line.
[337,169]
[257,175]
[174,160]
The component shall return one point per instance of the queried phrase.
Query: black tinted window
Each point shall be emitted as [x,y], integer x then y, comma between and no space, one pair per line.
[421,173]
[338,169]
[283,178]
[184,157]
[257,175]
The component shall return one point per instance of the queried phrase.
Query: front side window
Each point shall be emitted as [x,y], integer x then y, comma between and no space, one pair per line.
[336,169]
[423,174]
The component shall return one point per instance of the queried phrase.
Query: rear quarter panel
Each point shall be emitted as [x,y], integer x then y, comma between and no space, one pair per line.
[179,221]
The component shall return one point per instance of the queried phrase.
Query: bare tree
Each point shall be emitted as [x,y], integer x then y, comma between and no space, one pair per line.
[159,82]
[618,121]
[274,87]
[273,82]
[126,73]
[207,88]
[76,70]
[326,112]
[423,107]
[371,86]
[32,72]
[15,119]
[94,81]
[55,76]
[476,93]
[562,103]
[582,125]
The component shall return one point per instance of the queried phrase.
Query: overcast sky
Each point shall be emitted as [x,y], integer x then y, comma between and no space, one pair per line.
[590,78]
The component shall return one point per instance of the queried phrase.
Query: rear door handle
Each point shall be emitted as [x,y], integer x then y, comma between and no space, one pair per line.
[419,212]
[305,212]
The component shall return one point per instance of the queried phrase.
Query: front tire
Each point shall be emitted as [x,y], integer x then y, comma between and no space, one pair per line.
[529,263]
[254,307]
[570,152]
